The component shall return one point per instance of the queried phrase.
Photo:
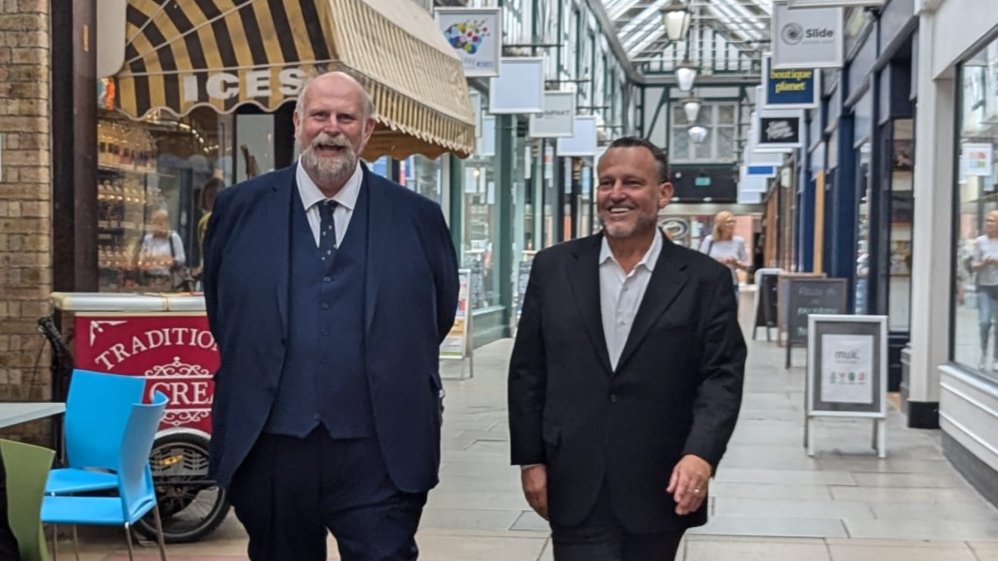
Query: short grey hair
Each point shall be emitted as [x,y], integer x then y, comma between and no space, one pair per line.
[369,110]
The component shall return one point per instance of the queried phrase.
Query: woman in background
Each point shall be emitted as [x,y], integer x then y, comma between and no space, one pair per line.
[984,263]
[727,248]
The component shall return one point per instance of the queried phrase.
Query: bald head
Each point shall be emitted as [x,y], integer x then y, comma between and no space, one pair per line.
[339,82]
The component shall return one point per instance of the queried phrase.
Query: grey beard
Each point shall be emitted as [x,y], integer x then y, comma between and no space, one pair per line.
[330,170]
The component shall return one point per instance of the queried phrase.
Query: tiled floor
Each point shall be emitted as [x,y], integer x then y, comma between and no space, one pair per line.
[771,502]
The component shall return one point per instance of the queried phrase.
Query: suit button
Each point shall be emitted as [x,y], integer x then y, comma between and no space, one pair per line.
[325,305]
[325,333]
[316,416]
[327,279]
[322,361]
[613,398]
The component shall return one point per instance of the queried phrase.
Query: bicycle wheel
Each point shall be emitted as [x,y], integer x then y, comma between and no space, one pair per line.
[190,504]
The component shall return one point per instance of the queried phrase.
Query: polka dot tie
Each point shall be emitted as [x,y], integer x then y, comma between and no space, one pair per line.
[327,230]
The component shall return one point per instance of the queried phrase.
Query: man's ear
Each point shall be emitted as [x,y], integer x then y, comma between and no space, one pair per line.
[369,129]
[665,194]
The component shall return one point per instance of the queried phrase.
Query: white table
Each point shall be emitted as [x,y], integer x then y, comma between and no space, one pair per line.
[16,413]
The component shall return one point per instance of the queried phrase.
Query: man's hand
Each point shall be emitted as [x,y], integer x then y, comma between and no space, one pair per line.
[688,484]
[535,488]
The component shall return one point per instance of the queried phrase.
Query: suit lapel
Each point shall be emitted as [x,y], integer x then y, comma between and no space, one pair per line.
[278,234]
[379,229]
[583,275]
[667,280]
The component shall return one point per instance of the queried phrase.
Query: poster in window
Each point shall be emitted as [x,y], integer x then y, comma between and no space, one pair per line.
[979,158]
[847,368]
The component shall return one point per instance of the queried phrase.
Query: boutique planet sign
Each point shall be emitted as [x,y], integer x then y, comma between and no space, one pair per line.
[792,88]
[475,34]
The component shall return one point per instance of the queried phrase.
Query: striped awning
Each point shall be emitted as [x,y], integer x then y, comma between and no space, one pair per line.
[182,54]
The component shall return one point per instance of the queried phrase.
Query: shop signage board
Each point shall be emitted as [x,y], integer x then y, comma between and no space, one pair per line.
[582,143]
[807,38]
[803,294]
[979,159]
[174,352]
[779,129]
[789,88]
[558,118]
[519,87]
[458,344]
[766,299]
[847,372]
[475,34]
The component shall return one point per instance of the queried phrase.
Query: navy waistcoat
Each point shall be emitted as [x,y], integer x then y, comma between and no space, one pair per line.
[324,379]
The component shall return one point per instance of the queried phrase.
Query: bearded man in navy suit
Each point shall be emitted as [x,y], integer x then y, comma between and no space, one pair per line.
[328,290]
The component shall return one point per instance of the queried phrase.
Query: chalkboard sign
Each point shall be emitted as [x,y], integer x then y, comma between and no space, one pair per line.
[847,371]
[478,284]
[805,296]
[766,300]
[783,316]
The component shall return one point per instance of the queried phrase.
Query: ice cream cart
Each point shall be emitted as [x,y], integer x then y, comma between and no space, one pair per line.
[165,339]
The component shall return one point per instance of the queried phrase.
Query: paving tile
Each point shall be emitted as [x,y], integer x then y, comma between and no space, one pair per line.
[970,511]
[945,530]
[530,520]
[889,465]
[460,548]
[731,550]
[894,494]
[910,480]
[780,508]
[772,526]
[900,553]
[785,477]
[769,491]
[468,519]
[984,551]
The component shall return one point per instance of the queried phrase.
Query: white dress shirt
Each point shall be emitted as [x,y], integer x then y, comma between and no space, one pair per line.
[311,196]
[621,294]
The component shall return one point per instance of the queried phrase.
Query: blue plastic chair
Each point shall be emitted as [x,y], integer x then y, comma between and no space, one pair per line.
[97,410]
[137,494]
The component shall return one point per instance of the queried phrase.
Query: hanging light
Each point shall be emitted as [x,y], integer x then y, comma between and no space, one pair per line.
[686,75]
[676,18]
[697,134]
[692,108]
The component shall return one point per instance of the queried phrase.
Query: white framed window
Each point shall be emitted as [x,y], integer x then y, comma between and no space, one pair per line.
[720,145]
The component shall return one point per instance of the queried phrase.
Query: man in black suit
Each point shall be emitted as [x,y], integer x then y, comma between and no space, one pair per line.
[626,376]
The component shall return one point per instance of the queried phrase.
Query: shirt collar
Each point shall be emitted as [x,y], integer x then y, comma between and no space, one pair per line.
[649,260]
[311,195]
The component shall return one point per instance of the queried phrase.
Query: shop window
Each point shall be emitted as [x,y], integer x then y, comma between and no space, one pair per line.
[424,176]
[157,180]
[975,294]
[480,251]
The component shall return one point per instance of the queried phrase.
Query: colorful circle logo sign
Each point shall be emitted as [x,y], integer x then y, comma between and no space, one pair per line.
[467,35]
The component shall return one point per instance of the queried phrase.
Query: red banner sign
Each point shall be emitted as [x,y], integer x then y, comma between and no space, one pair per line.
[175,353]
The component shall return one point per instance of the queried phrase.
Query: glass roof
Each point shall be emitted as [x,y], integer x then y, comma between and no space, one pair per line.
[723,32]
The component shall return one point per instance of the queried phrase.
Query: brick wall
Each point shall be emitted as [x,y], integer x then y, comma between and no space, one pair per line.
[25,201]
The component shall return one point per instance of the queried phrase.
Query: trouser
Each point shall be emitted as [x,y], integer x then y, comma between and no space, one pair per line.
[600,537]
[987,314]
[8,543]
[290,491]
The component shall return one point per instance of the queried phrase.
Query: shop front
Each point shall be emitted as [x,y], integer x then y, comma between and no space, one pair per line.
[953,381]
[205,100]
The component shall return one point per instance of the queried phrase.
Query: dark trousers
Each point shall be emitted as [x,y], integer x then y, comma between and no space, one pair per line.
[289,491]
[8,543]
[601,538]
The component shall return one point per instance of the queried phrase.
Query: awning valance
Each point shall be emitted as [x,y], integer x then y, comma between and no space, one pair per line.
[182,54]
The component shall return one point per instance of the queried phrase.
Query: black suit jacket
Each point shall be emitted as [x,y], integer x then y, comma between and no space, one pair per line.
[410,298]
[677,388]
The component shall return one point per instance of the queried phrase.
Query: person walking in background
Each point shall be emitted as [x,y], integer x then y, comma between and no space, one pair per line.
[329,291]
[984,263]
[727,248]
[626,376]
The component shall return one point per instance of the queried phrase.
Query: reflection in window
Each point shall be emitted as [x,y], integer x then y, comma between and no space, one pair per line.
[481,236]
[157,179]
[975,299]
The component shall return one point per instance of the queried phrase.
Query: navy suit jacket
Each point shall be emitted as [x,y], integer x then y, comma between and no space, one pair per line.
[411,290]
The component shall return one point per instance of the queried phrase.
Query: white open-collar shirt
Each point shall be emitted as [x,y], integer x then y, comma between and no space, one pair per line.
[621,294]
